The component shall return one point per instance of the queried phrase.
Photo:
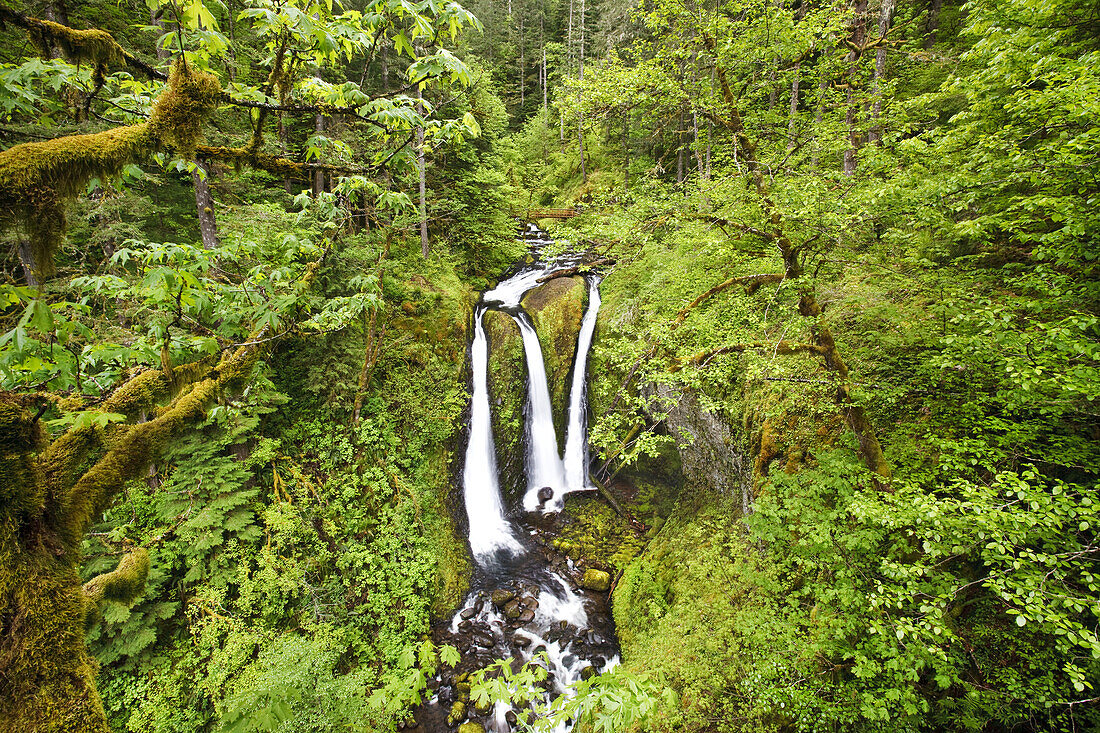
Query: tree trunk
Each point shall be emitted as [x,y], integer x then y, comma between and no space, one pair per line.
[580,99]
[626,150]
[792,124]
[382,59]
[420,169]
[680,149]
[26,259]
[933,24]
[851,115]
[542,40]
[792,119]
[204,203]
[318,176]
[522,86]
[886,16]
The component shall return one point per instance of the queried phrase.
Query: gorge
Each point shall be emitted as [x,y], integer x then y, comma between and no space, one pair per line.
[525,601]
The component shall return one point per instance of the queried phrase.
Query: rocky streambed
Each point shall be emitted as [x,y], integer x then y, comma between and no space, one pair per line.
[539,608]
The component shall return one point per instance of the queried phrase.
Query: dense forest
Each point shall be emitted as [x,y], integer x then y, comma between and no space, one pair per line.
[820,283]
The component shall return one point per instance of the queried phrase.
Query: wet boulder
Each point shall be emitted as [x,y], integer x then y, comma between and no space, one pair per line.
[501,597]
[471,728]
[513,610]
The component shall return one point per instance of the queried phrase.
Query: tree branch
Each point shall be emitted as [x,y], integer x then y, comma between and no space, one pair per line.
[96,46]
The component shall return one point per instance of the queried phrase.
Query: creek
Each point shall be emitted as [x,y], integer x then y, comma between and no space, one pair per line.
[526,600]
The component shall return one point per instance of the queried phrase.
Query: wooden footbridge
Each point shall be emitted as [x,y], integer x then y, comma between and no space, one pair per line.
[535,214]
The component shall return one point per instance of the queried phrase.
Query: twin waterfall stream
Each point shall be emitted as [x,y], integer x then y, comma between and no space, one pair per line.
[524,599]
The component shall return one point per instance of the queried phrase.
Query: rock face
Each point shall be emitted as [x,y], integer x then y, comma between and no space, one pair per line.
[712,452]
[596,580]
[556,309]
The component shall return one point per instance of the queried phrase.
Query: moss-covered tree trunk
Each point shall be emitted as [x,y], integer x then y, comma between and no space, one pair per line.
[50,492]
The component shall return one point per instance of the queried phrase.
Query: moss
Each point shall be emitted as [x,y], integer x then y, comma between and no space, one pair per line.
[122,585]
[250,157]
[184,106]
[95,47]
[37,179]
[507,373]
[595,533]
[47,679]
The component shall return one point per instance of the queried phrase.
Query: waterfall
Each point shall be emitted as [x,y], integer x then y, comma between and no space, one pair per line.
[522,604]
[490,532]
[576,443]
[544,466]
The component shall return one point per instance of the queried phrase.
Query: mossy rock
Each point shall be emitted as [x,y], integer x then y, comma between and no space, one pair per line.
[458,712]
[471,728]
[556,309]
[508,394]
[595,533]
[597,580]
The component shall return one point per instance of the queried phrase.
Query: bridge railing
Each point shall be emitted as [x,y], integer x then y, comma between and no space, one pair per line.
[533,214]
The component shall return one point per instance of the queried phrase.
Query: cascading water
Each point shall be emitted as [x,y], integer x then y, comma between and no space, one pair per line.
[524,605]
[576,443]
[544,465]
[490,532]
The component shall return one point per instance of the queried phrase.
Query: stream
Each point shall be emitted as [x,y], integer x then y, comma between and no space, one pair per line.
[525,598]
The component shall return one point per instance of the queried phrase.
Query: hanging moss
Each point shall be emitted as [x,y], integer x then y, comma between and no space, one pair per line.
[182,109]
[37,179]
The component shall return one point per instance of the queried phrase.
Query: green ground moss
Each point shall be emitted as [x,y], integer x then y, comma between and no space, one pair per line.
[594,532]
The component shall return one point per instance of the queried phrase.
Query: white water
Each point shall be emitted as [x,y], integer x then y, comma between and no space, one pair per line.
[490,532]
[544,466]
[576,443]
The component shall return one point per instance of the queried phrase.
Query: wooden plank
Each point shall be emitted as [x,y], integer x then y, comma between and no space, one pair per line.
[533,214]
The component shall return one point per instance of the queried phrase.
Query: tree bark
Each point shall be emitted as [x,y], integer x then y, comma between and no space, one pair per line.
[318,176]
[580,99]
[680,149]
[542,40]
[26,259]
[420,169]
[886,16]
[851,115]
[933,24]
[626,150]
[204,203]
